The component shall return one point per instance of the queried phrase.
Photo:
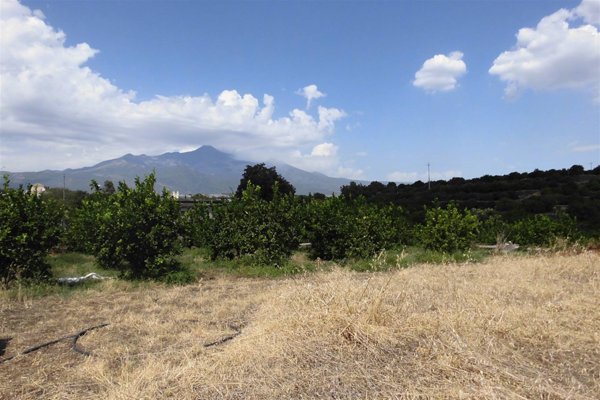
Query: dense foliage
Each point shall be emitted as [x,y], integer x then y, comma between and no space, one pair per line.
[448,229]
[266,232]
[267,179]
[29,228]
[140,232]
[339,229]
[543,230]
[513,197]
[134,230]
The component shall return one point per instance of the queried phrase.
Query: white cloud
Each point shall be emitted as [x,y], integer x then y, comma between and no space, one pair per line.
[586,148]
[323,158]
[328,117]
[441,72]
[402,176]
[310,93]
[59,113]
[350,173]
[589,10]
[554,55]
[324,150]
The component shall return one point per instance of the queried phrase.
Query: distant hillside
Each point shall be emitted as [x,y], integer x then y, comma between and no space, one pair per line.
[205,170]
[513,196]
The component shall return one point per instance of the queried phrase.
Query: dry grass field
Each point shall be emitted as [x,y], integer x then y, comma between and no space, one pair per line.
[511,327]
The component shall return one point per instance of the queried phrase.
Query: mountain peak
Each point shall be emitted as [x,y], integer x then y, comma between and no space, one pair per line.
[203,170]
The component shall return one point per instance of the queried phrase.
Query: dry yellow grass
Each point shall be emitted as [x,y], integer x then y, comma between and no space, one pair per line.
[512,327]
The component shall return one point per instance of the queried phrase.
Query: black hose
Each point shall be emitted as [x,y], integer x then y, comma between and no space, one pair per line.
[238,331]
[74,337]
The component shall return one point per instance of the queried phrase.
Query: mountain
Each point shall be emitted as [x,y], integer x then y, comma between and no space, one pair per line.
[205,170]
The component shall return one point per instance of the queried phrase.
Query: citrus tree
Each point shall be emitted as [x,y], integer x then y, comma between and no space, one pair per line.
[29,227]
[448,229]
[339,228]
[264,231]
[134,230]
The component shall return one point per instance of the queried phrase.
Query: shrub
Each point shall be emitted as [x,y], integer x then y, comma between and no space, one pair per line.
[543,230]
[197,225]
[84,223]
[135,230]
[264,231]
[492,228]
[29,227]
[340,229]
[448,229]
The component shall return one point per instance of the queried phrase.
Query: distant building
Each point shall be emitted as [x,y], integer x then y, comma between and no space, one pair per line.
[37,189]
[175,194]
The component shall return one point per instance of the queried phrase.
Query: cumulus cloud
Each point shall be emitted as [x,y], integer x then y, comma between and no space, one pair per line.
[589,10]
[324,150]
[403,176]
[310,93]
[58,113]
[441,72]
[554,54]
[323,158]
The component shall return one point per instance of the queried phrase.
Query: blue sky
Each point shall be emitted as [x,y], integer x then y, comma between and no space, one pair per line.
[369,90]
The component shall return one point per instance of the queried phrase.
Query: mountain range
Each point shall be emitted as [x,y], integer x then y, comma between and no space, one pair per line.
[205,170]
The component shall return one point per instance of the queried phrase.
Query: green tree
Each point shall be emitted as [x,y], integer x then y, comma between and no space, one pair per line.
[338,228]
[448,229]
[264,231]
[29,227]
[135,230]
[543,230]
[492,228]
[197,224]
[266,179]
[109,187]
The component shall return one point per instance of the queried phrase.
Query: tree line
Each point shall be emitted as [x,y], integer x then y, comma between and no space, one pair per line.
[513,197]
[140,232]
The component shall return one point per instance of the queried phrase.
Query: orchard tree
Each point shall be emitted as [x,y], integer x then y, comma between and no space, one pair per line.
[544,230]
[265,232]
[449,229]
[339,228]
[265,178]
[134,230]
[29,227]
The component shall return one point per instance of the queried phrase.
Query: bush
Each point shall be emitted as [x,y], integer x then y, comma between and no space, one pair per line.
[448,229]
[29,227]
[543,230]
[83,231]
[492,228]
[340,229]
[264,231]
[135,230]
[197,225]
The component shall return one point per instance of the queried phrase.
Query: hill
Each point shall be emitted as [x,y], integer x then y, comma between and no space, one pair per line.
[513,196]
[205,170]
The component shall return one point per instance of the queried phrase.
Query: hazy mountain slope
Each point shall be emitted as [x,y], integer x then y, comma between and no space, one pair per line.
[204,170]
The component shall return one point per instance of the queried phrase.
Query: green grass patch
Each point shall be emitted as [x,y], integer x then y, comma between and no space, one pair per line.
[408,256]
[196,264]
[76,264]
[198,261]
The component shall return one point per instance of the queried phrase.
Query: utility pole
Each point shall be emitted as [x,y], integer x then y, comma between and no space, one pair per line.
[428,177]
[64,186]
